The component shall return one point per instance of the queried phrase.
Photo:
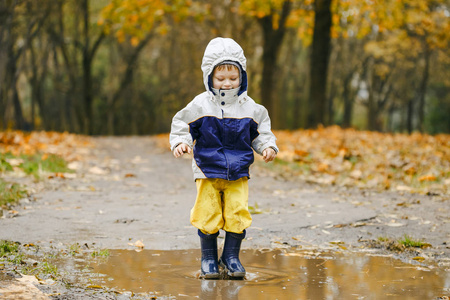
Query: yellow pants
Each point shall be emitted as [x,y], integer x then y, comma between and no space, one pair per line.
[221,204]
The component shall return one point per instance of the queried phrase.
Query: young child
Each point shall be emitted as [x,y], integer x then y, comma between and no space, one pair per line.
[223,126]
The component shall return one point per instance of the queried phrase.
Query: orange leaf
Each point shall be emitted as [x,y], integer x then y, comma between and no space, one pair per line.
[427,178]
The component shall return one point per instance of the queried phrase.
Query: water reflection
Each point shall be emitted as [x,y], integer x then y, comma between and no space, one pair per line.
[273,275]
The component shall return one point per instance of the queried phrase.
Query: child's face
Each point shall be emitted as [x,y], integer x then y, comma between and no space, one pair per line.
[226,78]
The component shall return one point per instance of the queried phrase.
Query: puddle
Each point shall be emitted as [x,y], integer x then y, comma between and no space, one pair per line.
[271,275]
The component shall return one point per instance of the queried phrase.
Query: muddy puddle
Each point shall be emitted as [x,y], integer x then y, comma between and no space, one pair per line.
[270,275]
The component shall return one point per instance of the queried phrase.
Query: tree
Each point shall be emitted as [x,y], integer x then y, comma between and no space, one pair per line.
[16,37]
[136,23]
[398,34]
[320,53]
[272,16]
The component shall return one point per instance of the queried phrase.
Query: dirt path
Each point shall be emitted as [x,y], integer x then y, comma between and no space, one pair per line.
[127,189]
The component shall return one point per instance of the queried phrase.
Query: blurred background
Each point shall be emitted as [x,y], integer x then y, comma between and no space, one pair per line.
[126,67]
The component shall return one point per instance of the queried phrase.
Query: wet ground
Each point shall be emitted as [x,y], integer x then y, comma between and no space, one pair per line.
[129,190]
[270,275]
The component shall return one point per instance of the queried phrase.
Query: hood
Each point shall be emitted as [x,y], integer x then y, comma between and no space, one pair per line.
[219,50]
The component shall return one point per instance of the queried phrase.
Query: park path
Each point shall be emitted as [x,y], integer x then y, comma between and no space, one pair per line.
[127,189]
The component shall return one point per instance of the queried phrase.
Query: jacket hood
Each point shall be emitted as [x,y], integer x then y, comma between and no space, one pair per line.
[219,50]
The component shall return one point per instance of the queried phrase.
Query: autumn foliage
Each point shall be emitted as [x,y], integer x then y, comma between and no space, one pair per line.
[330,155]
[42,142]
[348,157]
[363,159]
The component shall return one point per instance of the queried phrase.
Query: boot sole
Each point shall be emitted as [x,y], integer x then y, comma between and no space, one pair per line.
[237,275]
[210,276]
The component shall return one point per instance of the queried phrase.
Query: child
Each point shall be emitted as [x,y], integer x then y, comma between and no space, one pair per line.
[223,126]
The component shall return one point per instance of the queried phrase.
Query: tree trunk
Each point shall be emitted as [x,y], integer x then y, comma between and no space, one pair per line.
[12,73]
[125,81]
[371,113]
[18,114]
[271,46]
[320,53]
[87,75]
[88,57]
[423,88]
[73,112]
[348,96]
[409,116]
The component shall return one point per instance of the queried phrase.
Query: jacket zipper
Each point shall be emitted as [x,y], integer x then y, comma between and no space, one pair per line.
[226,158]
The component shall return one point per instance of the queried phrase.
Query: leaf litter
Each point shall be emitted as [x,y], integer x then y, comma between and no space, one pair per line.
[331,173]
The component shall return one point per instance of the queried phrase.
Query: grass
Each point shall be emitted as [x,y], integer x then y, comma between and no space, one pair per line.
[383,239]
[409,242]
[10,193]
[10,251]
[74,249]
[8,247]
[43,263]
[45,268]
[254,209]
[33,164]
[36,164]
[4,164]
[399,245]
[101,253]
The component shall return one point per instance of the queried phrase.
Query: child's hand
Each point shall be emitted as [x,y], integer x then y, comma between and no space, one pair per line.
[181,149]
[269,154]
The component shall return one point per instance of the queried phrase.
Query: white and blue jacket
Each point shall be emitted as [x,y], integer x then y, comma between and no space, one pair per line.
[223,126]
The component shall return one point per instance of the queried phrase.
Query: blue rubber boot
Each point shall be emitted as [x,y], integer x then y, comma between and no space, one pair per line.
[230,255]
[210,267]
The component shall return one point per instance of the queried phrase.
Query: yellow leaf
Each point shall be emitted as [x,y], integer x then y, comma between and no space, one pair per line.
[94,286]
[134,41]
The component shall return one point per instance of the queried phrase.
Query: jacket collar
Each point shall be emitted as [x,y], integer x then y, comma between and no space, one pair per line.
[241,98]
[225,97]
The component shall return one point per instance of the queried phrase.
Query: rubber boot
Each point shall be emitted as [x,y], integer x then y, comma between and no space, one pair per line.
[230,255]
[209,267]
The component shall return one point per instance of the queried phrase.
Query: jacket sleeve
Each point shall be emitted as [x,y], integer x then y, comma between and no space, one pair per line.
[179,132]
[266,139]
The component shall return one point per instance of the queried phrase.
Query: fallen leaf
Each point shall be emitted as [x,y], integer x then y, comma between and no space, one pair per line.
[98,171]
[359,224]
[293,254]
[356,174]
[94,286]
[427,178]
[139,244]
[14,162]
[339,225]
[395,224]
[403,188]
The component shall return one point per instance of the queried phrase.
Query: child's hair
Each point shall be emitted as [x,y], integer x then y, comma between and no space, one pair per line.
[229,67]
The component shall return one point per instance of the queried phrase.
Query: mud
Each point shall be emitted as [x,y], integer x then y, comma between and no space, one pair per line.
[271,274]
[129,190]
